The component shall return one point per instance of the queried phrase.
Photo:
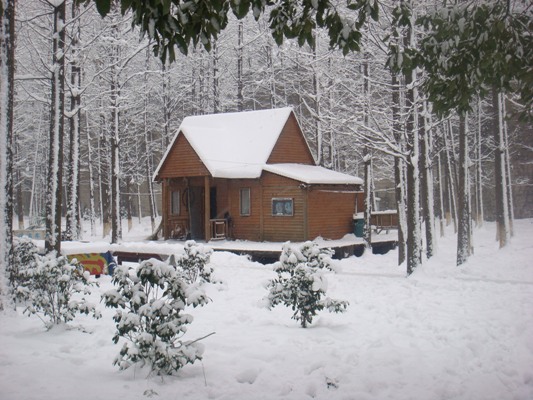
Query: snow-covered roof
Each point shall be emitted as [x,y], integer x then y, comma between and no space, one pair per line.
[238,145]
[312,174]
[233,145]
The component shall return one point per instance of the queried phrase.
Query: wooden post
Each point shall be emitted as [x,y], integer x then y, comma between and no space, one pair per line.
[207,211]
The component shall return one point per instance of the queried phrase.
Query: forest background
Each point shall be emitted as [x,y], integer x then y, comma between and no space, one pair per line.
[358,111]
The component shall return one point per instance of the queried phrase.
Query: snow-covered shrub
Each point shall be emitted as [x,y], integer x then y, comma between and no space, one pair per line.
[150,302]
[301,283]
[52,287]
[25,254]
[193,264]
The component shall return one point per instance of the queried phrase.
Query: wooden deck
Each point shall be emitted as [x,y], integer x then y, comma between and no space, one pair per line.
[269,253]
[264,252]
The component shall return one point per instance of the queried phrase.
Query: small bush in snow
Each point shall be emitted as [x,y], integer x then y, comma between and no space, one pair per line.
[25,255]
[193,264]
[301,283]
[51,286]
[150,302]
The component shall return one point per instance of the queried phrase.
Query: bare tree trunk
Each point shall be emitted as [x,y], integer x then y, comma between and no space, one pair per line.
[55,161]
[72,230]
[272,77]
[7,81]
[441,194]
[428,202]
[240,61]
[115,163]
[509,187]
[18,186]
[139,205]
[216,84]
[452,197]
[502,213]
[116,231]
[128,206]
[479,177]
[317,107]
[148,150]
[414,248]
[464,233]
[367,159]
[91,183]
[399,169]
[166,102]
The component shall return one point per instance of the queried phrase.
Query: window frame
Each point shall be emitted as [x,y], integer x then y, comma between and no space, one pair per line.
[175,206]
[283,201]
[249,194]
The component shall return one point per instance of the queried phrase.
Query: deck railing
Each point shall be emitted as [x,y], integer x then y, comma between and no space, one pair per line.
[219,229]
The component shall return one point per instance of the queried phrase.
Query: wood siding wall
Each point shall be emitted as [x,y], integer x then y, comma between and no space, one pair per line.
[330,211]
[246,227]
[283,228]
[182,161]
[291,146]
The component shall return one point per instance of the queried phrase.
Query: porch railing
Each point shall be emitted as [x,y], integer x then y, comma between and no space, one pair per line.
[219,229]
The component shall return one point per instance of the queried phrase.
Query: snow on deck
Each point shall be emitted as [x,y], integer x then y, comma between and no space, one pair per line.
[168,247]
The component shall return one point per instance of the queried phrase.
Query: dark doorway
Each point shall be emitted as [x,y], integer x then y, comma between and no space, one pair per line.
[213,201]
[196,212]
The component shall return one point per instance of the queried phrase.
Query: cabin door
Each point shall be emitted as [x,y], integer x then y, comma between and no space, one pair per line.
[196,212]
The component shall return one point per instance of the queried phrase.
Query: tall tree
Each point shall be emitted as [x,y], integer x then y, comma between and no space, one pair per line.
[7,73]
[57,108]
[72,230]
[468,49]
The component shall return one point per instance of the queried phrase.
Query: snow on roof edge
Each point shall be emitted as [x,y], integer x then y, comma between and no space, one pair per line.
[312,174]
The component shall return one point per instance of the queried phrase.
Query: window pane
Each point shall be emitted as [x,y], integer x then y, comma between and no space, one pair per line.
[175,203]
[245,201]
[282,207]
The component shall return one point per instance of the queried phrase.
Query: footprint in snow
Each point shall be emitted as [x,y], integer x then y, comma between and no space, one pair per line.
[247,376]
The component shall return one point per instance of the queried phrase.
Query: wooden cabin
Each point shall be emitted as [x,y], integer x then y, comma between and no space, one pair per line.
[251,176]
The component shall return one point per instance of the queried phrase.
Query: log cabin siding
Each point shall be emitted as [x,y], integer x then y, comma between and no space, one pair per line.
[182,161]
[330,211]
[173,224]
[283,228]
[291,146]
[246,227]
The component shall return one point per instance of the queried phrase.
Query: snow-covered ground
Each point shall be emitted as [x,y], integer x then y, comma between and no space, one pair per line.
[443,333]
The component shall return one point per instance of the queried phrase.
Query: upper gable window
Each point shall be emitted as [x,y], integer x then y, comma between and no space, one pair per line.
[245,204]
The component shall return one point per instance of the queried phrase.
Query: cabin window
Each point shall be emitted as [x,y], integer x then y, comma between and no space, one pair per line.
[282,207]
[245,201]
[175,202]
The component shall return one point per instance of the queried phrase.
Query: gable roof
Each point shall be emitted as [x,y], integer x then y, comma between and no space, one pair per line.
[233,145]
[238,145]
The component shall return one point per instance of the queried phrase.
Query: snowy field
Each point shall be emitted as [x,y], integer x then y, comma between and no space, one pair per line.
[443,333]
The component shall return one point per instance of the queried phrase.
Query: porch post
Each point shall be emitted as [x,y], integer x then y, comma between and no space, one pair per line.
[207,207]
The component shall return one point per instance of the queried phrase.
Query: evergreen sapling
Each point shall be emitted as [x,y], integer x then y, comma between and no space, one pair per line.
[151,301]
[53,288]
[301,283]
